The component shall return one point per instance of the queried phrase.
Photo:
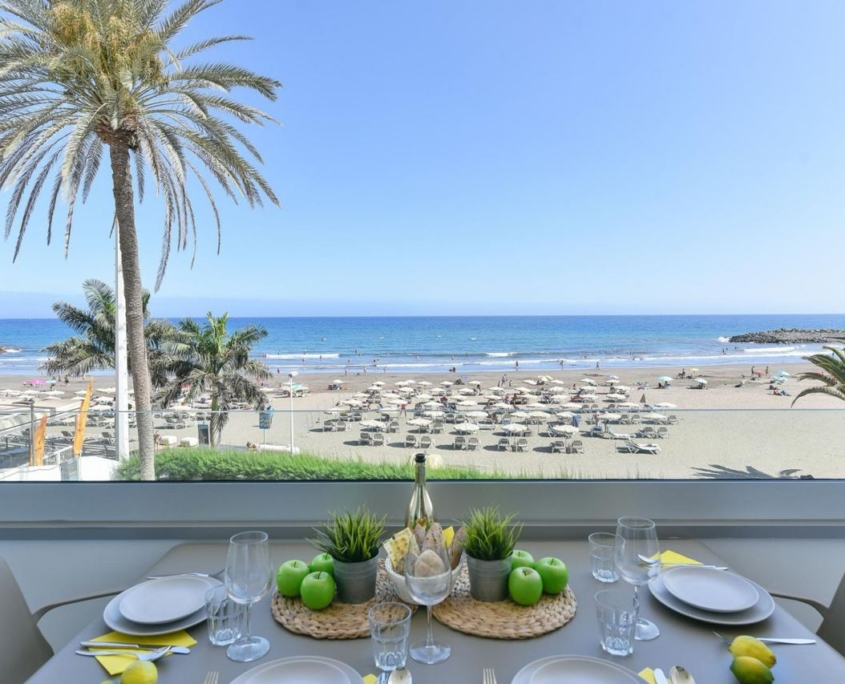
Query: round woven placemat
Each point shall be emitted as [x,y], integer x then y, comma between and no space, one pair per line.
[503,619]
[337,621]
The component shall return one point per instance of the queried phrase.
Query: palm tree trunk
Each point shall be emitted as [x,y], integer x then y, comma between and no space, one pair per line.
[124,204]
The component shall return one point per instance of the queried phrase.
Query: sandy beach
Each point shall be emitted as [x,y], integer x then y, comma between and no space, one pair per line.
[736,422]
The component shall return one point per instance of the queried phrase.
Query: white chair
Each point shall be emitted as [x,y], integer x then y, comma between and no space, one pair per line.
[832,628]
[23,649]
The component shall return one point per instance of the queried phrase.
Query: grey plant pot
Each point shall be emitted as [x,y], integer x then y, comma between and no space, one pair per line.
[356,582]
[488,580]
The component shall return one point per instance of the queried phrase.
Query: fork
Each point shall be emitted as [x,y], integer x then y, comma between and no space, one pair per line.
[771,640]
[211,677]
[213,575]
[488,676]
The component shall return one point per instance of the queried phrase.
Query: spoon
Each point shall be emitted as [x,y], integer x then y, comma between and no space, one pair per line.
[400,676]
[679,675]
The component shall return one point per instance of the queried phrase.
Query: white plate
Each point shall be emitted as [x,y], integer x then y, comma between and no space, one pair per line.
[710,589]
[165,599]
[301,670]
[764,607]
[578,669]
[113,618]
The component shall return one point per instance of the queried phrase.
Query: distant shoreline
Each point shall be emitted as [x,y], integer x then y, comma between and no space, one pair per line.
[791,336]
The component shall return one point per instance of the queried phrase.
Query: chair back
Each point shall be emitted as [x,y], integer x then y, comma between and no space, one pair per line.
[832,629]
[23,649]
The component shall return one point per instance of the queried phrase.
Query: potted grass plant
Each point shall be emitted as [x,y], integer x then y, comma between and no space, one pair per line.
[352,540]
[490,540]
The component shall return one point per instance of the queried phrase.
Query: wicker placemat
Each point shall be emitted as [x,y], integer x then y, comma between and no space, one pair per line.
[337,621]
[503,619]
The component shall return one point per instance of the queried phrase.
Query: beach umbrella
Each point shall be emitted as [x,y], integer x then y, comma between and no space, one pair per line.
[665,405]
[519,414]
[476,414]
[502,405]
[539,414]
[784,374]
[466,390]
[642,399]
[613,377]
[557,390]
[664,378]
[558,382]
[477,383]
[424,383]
[700,381]
[588,381]
[401,383]
[467,402]
[446,383]
[467,427]
[412,382]
[693,370]
[434,413]
[564,414]
[421,422]
[338,381]
[530,382]
[622,388]
[564,429]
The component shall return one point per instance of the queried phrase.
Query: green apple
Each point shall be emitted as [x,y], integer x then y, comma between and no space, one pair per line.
[317,590]
[290,576]
[555,574]
[521,559]
[525,585]
[323,562]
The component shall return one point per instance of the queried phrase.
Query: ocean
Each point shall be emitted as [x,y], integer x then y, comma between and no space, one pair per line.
[477,343]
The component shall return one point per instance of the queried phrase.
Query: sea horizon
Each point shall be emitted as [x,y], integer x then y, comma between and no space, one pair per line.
[433,344]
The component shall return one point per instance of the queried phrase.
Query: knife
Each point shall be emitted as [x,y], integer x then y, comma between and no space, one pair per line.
[182,650]
[659,677]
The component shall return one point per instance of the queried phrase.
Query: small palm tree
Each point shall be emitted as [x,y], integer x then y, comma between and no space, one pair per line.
[208,360]
[92,348]
[831,375]
[84,81]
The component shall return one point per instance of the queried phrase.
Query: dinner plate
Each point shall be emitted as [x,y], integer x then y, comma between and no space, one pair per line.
[301,670]
[165,599]
[710,589]
[580,669]
[764,607]
[115,620]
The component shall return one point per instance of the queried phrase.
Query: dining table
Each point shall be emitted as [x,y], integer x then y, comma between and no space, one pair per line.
[682,641]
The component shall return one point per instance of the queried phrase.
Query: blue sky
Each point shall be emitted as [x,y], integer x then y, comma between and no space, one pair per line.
[492,157]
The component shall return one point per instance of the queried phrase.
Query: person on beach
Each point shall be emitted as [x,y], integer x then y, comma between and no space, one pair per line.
[516,365]
[598,367]
[767,371]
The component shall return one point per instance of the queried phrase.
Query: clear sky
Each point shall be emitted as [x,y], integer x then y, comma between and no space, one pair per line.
[489,156]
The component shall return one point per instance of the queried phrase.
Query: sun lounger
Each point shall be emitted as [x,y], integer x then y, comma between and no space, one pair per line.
[638,448]
[662,432]
[472,443]
[377,440]
[577,447]
[521,444]
[504,444]
[411,441]
[558,447]
[425,442]
[460,443]
[365,438]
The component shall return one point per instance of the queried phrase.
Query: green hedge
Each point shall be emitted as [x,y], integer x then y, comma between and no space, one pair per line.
[181,465]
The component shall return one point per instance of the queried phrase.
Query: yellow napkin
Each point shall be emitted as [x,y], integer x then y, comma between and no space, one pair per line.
[673,558]
[370,679]
[116,664]
[648,675]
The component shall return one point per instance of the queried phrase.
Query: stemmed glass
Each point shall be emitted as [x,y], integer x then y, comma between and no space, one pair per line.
[637,558]
[248,577]
[428,578]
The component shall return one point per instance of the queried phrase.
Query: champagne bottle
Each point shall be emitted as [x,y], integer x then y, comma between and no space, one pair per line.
[420,510]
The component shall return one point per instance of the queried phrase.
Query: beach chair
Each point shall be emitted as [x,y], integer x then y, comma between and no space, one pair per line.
[672,419]
[378,439]
[521,444]
[340,425]
[635,419]
[365,438]
[577,447]
[472,443]
[558,447]
[637,448]
[624,419]
[504,444]
[647,432]
[425,442]
[329,426]
[393,426]
[411,441]
[437,428]
[460,443]
[107,437]
[662,432]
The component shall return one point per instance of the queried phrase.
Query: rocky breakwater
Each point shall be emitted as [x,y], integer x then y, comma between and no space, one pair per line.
[792,336]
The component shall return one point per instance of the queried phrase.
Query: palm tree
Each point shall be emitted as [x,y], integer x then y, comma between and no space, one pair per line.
[78,77]
[208,360]
[831,375]
[92,348]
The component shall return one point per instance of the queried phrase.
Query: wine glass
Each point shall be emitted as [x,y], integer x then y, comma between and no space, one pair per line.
[248,578]
[428,578]
[637,558]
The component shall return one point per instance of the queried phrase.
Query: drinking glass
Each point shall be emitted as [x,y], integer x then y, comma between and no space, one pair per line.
[617,616]
[390,626]
[602,564]
[637,557]
[248,577]
[223,616]
[428,578]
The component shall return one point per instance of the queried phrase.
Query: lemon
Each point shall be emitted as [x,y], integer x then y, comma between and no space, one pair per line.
[749,646]
[749,670]
[142,672]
